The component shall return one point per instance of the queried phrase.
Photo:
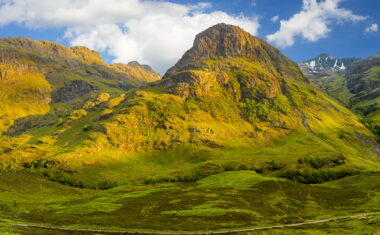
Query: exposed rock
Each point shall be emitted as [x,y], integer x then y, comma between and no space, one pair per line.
[140,74]
[72,90]
[325,64]
[226,58]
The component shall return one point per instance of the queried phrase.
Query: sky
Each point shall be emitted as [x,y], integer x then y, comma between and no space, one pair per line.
[157,33]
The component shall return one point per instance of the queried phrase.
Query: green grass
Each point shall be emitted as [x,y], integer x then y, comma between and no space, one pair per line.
[228,200]
[336,86]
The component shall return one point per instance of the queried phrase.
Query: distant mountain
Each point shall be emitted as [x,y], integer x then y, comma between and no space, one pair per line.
[325,63]
[357,85]
[328,74]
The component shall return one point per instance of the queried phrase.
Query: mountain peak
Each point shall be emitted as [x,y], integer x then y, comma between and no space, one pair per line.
[225,59]
[222,41]
[325,63]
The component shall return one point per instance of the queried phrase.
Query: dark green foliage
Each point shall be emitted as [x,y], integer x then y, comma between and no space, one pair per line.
[261,110]
[317,162]
[259,170]
[372,126]
[243,167]
[69,180]
[103,185]
[365,110]
[87,128]
[229,167]
[308,176]
[274,166]
[266,109]
[320,162]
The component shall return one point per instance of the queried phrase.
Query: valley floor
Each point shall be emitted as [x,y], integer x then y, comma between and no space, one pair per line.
[226,201]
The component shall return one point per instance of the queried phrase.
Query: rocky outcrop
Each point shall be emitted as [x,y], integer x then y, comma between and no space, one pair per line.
[139,74]
[72,90]
[226,60]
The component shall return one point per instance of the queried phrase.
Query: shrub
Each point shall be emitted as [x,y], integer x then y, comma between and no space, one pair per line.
[317,162]
[229,167]
[274,166]
[373,127]
[281,104]
[309,176]
[105,184]
[86,128]
[243,167]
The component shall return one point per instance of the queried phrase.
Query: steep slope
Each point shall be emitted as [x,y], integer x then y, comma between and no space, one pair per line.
[356,86]
[34,74]
[363,79]
[232,102]
[328,73]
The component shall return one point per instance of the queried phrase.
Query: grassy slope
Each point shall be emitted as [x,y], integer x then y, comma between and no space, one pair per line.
[31,72]
[336,87]
[161,137]
[228,200]
[79,153]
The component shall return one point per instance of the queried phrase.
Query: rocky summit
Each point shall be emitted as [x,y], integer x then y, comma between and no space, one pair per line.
[227,61]
[325,63]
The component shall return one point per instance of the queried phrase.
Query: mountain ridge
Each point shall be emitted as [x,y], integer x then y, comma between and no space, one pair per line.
[253,107]
[35,73]
[325,63]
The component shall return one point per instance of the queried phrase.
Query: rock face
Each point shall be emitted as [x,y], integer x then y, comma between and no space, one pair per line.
[72,90]
[226,60]
[137,72]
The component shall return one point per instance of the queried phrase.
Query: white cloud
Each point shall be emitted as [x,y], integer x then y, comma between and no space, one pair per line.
[275,18]
[152,32]
[313,22]
[372,29]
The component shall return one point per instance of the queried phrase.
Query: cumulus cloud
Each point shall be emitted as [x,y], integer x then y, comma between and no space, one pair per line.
[313,22]
[152,32]
[275,19]
[372,29]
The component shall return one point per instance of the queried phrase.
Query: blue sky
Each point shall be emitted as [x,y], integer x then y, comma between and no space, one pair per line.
[159,32]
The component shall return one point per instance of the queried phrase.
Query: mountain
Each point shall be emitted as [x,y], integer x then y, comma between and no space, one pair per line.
[325,63]
[37,76]
[229,91]
[356,86]
[363,80]
[233,135]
